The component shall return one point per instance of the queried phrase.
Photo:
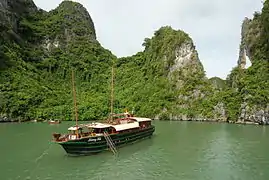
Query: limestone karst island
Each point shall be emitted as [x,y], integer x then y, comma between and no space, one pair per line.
[165,81]
[62,93]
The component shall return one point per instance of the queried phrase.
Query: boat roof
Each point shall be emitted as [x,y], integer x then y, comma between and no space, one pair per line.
[120,127]
[98,125]
[73,128]
[141,119]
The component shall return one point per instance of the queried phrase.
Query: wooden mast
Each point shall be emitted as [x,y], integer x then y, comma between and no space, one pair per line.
[75,100]
[112,94]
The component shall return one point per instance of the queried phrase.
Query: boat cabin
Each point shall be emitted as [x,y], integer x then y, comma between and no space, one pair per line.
[100,128]
[123,125]
[74,132]
[143,122]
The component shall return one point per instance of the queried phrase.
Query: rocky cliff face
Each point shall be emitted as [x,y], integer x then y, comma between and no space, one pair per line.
[185,55]
[11,12]
[71,22]
[186,63]
[250,34]
[252,83]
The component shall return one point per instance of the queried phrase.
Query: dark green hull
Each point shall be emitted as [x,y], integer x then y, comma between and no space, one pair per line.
[96,144]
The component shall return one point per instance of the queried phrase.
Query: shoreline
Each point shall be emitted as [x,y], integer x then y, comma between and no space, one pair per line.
[204,121]
[219,121]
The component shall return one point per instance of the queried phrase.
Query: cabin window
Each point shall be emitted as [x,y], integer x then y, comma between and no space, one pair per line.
[72,132]
[144,124]
[110,130]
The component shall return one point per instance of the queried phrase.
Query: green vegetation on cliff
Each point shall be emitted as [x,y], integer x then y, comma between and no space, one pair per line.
[37,82]
[166,80]
[141,81]
[218,83]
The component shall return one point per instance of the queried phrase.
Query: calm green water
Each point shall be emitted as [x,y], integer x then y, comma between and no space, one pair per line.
[178,150]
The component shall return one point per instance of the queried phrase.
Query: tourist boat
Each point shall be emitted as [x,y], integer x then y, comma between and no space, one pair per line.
[54,121]
[99,136]
[117,130]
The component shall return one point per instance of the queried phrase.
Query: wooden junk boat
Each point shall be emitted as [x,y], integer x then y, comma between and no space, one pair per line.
[97,136]
[118,130]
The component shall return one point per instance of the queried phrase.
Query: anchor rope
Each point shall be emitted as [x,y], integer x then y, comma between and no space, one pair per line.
[38,159]
[44,153]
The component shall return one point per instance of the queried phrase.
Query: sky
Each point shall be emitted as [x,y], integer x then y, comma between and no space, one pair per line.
[214,25]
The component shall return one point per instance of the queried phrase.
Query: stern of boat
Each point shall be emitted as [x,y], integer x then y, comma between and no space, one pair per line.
[57,137]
